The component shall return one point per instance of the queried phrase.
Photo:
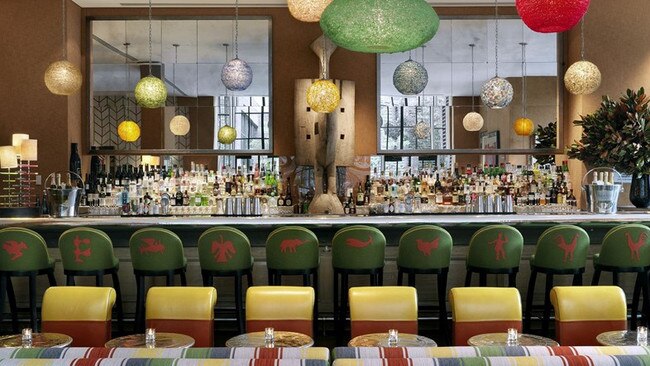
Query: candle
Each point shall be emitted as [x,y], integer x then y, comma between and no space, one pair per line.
[150,337]
[27,337]
[642,336]
[512,339]
[393,337]
[269,337]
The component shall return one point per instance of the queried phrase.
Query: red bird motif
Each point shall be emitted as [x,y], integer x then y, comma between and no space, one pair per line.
[222,250]
[14,248]
[426,246]
[78,252]
[152,245]
[635,255]
[355,243]
[567,248]
[291,245]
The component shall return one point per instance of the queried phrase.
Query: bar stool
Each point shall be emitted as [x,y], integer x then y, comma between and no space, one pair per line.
[293,250]
[494,249]
[426,249]
[24,254]
[356,250]
[226,252]
[560,250]
[624,250]
[155,252]
[89,252]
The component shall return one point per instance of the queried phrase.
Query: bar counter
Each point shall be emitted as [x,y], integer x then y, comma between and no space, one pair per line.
[460,226]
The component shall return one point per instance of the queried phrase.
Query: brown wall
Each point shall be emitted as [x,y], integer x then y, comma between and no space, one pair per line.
[31,40]
[464,139]
[616,39]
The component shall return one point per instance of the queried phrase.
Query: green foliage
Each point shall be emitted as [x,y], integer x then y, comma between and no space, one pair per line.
[616,135]
[545,138]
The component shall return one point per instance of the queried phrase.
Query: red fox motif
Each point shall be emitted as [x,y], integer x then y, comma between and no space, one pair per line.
[222,250]
[151,246]
[355,243]
[14,248]
[78,252]
[635,255]
[567,248]
[498,243]
[291,245]
[426,247]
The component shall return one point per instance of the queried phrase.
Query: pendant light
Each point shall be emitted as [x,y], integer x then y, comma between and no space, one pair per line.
[524,126]
[473,121]
[379,26]
[497,92]
[236,74]
[582,77]
[179,124]
[127,130]
[226,134]
[63,77]
[411,77]
[555,16]
[323,96]
[150,92]
[307,10]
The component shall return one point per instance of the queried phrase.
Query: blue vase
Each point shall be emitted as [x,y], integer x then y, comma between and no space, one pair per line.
[640,190]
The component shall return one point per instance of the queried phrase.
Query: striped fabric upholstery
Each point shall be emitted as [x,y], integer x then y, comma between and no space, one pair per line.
[459,352]
[315,353]
[601,360]
[159,362]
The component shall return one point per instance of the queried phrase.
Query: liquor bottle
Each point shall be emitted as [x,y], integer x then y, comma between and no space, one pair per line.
[360,195]
[186,199]
[75,160]
[179,198]
[346,207]
[288,200]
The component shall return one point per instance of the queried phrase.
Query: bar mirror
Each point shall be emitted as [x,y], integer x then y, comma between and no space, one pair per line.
[188,54]
[431,122]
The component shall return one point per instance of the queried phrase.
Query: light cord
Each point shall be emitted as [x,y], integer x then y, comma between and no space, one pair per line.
[150,37]
[64,34]
[523,78]
[236,28]
[128,71]
[472,45]
[174,73]
[582,38]
[496,42]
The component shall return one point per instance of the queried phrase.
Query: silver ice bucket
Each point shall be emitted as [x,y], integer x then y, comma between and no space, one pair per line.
[63,202]
[602,198]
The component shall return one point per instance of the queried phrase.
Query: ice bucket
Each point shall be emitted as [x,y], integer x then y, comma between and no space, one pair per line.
[63,200]
[602,198]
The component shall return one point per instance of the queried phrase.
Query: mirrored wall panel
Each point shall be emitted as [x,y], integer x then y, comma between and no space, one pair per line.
[189,55]
[433,119]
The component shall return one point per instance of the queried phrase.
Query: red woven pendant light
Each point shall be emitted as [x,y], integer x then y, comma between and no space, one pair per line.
[551,16]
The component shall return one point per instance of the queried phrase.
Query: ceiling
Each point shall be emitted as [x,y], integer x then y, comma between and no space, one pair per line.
[261,3]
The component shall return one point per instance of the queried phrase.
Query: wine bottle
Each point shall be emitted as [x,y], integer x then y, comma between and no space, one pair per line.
[75,160]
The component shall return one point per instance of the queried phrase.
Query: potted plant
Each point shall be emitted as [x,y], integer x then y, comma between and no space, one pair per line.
[617,135]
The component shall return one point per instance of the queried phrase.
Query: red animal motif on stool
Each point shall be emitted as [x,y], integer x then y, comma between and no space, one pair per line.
[78,252]
[498,243]
[567,248]
[14,248]
[222,250]
[426,246]
[291,245]
[152,245]
[635,246]
[355,243]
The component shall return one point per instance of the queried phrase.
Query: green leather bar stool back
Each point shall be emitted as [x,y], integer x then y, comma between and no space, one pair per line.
[89,252]
[24,254]
[155,252]
[356,250]
[560,250]
[426,249]
[625,249]
[494,249]
[226,252]
[293,250]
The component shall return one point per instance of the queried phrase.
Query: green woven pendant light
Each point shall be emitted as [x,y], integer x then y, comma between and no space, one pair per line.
[379,26]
